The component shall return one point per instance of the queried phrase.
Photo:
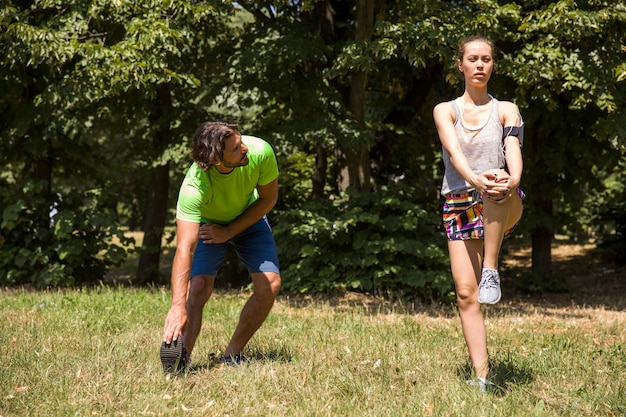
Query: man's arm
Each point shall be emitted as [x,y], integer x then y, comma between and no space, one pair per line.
[186,240]
[215,233]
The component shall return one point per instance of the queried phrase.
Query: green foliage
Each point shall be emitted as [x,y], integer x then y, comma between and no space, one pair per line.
[382,243]
[611,216]
[88,93]
[96,94]
[295,179]
[566,43]
[72,246]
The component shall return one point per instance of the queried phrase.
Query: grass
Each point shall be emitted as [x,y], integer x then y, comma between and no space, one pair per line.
[94,352]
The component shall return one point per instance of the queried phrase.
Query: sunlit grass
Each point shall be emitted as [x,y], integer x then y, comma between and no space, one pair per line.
[95,352]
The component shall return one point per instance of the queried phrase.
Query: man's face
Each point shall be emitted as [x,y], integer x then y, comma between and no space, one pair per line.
[235,153]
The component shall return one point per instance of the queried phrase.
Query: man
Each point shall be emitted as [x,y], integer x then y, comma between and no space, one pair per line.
[223,200]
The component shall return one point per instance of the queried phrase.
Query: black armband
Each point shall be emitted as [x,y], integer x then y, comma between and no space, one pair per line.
[517,131]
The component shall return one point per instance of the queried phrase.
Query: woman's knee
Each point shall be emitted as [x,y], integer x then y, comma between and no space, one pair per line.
[466,296]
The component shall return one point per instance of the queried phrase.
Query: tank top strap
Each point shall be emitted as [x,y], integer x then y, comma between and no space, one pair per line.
[494,108]
[457,110]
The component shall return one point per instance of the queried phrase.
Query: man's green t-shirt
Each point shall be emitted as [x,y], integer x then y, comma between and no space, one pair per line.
[213,197]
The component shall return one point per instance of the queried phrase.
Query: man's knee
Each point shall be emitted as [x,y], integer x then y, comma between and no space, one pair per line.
[275,284]
[266,283]
[201,286]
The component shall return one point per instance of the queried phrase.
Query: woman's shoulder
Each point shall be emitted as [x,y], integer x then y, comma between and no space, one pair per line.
[445,107]
[507,106]
[508,112]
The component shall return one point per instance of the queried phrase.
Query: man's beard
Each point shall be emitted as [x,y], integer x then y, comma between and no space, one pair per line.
[243,162]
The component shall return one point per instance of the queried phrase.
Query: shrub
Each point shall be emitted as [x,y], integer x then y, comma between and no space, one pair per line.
[382,243]
[70,245]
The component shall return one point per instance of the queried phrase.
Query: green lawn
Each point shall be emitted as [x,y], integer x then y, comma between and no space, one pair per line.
[95,353]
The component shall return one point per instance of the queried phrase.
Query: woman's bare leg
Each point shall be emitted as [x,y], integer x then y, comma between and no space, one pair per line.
[465,262]
[497,219]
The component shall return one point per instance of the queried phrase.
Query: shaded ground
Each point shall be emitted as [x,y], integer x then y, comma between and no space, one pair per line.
[596,289]
[592,281]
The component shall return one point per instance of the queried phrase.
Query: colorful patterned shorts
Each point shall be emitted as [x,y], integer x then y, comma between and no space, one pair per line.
[463,216]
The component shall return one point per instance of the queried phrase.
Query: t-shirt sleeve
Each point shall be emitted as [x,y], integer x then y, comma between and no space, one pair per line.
[189,203]
[269,165]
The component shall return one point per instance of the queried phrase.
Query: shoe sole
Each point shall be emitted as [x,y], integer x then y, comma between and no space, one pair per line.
[489,302]
[171,355]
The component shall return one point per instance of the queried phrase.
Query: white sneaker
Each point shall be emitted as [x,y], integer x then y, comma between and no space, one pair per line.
[489,288]
[484,385]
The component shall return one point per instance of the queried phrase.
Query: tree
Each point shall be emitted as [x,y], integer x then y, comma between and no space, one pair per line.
[353,159]
[569,75]
[41,116]
[82,80]
[98,99]
[293,64]
[562,64]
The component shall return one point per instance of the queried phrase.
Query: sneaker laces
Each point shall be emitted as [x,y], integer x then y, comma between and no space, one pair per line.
[490,279]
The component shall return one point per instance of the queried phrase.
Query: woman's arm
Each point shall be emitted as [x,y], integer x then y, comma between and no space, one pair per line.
[510,116]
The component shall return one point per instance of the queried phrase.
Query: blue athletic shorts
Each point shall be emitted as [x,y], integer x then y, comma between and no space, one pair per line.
[255,246]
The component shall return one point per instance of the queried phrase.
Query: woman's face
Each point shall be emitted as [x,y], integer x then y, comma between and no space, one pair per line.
[477,63]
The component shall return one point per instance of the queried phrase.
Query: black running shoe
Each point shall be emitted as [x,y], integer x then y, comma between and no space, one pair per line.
[233,360]
[173,356]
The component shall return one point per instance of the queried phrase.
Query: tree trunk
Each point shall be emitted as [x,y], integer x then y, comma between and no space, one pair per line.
[156,207]
[154,224]
[542,242]
[541,235]
[319,172]
[542,251]
[353,164]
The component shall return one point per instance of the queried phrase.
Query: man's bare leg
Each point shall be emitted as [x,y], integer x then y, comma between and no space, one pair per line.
[255,311]
[200,290]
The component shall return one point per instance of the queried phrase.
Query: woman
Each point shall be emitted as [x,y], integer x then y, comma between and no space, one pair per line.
[481,139]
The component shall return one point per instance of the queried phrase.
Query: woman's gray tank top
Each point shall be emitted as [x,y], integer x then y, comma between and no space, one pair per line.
[482,146]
